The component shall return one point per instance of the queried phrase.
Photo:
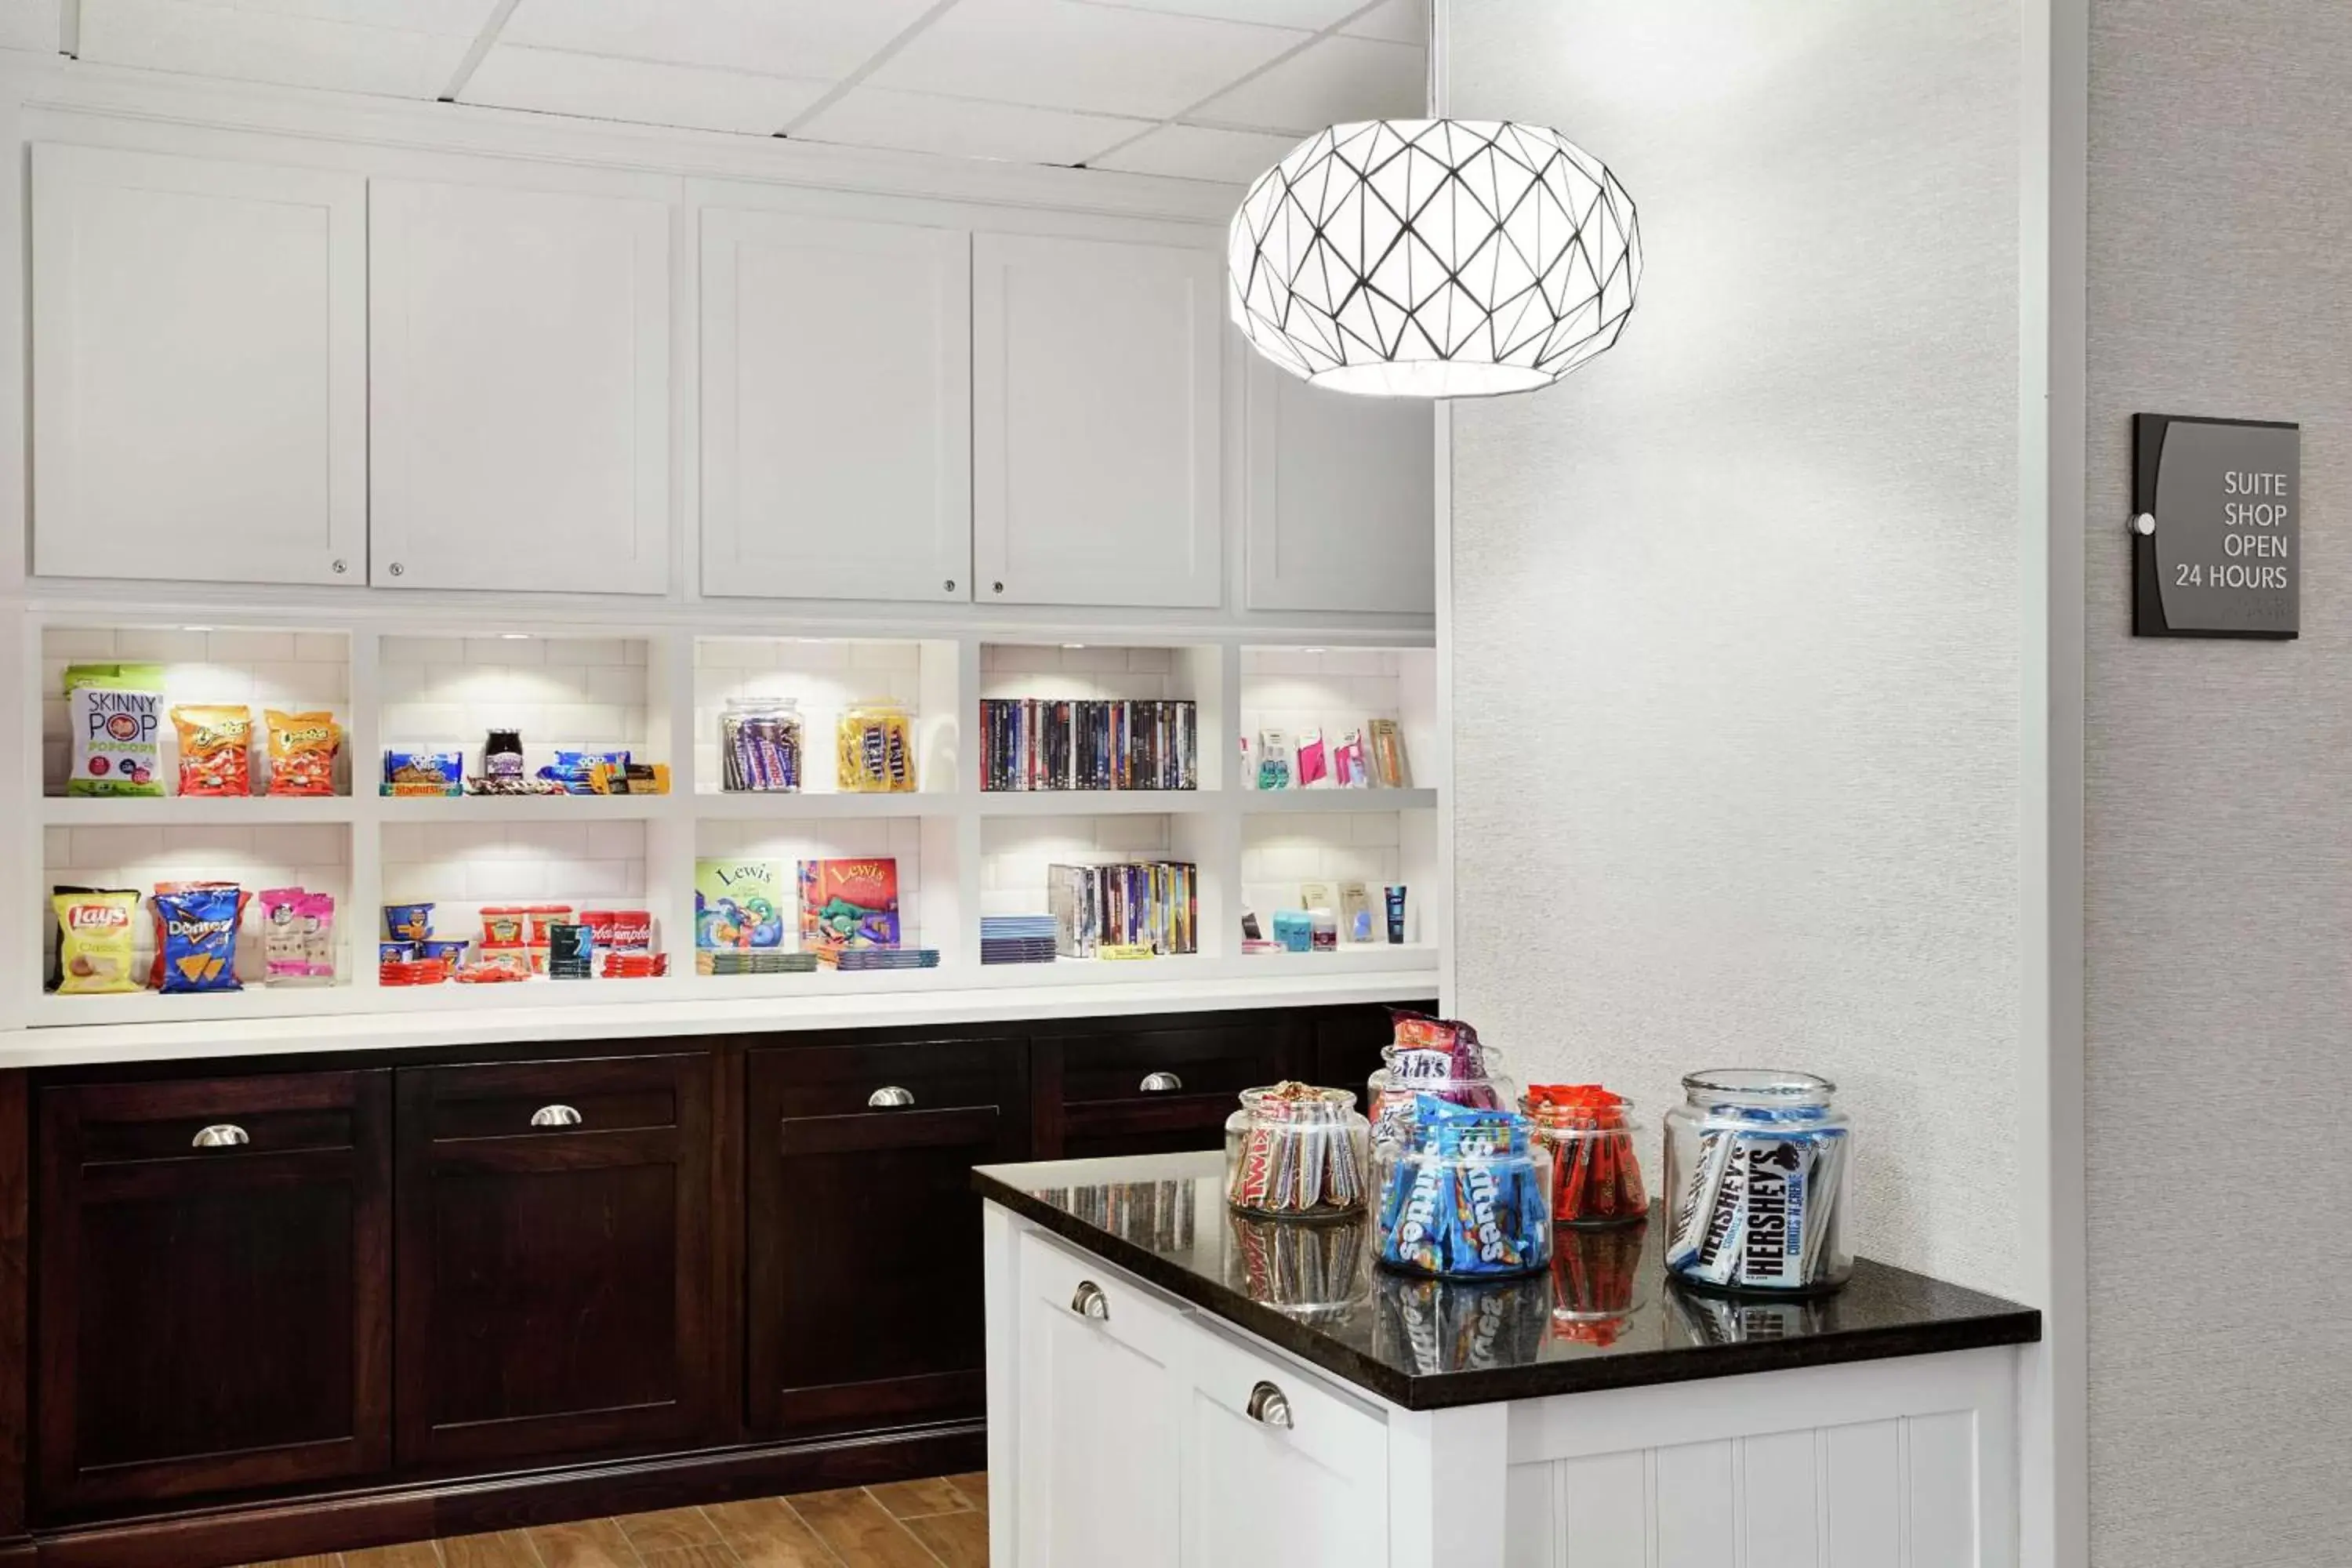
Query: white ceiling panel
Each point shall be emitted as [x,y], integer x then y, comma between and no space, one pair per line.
[1332,81]
[29,25]
[246,44]
[1062,54]
[1197,153]
[1399,21]
[645,93]
[448,17]
[808,38]
[965,128]
[1313,16]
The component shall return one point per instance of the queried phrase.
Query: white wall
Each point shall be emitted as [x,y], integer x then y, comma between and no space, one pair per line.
[1735,612]
[2217,878]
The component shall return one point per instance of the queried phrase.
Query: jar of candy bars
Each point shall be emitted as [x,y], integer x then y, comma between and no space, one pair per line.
[1596,1176]
[1434,1055]
[1756,1167]
[1463,1195]
[1297,1152]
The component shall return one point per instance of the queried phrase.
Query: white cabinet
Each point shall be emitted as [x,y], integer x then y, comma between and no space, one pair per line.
[836,408]
[519,389]
[199,368]
[1342,499]
[1095,443]
[1102,1383]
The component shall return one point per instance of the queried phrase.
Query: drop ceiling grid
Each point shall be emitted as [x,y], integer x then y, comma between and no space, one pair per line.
[1210,89]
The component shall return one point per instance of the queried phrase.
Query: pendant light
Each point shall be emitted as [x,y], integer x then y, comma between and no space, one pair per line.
[1433,258]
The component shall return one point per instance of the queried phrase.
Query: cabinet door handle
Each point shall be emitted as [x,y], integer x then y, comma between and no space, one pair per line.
[1270,1404]
[555,1116]
[889,1097]
[219,1135]
[1090,1302]
[1160,1083]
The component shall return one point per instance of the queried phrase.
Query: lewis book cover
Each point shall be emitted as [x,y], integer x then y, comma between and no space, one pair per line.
[849,903]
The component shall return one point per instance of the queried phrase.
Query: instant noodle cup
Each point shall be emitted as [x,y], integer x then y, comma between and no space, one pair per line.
[502,926]
[213,742]
[302,749]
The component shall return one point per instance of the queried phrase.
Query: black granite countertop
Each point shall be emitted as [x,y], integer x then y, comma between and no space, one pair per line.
[1604,1316]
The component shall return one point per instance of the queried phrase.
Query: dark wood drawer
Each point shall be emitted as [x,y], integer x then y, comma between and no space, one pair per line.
[605,1094]
[854,1080]
[1206,1060]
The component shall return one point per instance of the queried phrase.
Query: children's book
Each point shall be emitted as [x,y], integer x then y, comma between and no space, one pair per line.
[849,903]
[739,904]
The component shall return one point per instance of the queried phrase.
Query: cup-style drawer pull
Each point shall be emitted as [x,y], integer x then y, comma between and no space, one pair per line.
[555,1116]
[219,1135]
[1090,1302]
[1269,1405]
[1161,1083]
[889,1097]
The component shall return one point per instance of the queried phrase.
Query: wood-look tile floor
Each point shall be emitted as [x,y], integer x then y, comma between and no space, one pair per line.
[936,1523]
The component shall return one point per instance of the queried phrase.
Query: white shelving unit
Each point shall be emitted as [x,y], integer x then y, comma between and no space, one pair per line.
[658,689]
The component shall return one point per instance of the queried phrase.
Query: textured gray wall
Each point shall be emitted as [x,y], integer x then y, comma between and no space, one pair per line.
[2219,867]
[1735,607]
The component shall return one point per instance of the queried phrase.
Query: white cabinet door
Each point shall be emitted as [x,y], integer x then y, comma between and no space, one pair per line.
[519,389]
[199,368]
[1342,497]
[1095,391]
[1098,1470]
[836,408]
[1279,1472]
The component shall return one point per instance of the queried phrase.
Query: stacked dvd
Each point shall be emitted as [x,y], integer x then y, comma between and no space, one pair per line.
[752,961]
[1046,743]
[1017,939]
[847,959]
[1127,908]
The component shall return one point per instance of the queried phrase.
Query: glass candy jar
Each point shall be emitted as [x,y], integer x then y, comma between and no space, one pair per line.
[1756,1168]
[1297,1152]
[1596,1176]
[1463,1195]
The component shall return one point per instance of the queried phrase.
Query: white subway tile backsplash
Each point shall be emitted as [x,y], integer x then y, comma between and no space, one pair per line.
[67,643]
[155,646]
[505,650]
[248,648]
[422,650]
[322,648]
[586,651]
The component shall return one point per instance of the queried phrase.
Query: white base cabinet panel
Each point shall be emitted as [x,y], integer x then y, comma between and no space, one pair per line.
[1343,511]
[1139,1438]
[199,368]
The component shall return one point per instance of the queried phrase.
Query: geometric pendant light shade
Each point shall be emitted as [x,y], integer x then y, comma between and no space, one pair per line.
[1434,258]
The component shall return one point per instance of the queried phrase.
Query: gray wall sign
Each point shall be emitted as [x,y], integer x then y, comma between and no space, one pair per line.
[2216,540]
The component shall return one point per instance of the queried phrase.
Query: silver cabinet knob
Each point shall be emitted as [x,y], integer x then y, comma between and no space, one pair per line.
[1160,1083]
[342,567]
[999,587]
[949,585]
[1269,1405]
[397,568]
[889,1097]
[219,1135]
[555,1116]
[1090,1302]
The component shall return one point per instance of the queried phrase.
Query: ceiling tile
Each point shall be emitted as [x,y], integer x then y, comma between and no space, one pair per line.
[1062,54]
[249,44]
[1329,82]
[29,25]
[965,128]
[1313,16]
[808,38]
[1397,21]
[644,92]
[1197,153]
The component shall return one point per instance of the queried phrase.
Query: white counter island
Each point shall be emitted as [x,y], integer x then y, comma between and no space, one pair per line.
[1170,1384]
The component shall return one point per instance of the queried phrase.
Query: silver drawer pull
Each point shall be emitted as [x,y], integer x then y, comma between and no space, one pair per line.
[219,1135]
[1270,1404]
[1090,1302]
[555,1116]
[1161,1083]
[889,1097]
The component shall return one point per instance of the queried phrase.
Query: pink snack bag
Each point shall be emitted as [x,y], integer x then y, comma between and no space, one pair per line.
[1311,768]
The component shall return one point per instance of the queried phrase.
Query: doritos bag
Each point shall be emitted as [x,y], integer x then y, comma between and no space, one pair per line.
[196,936]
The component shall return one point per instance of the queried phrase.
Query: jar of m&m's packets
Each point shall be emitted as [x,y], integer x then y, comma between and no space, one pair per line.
[1756,1168]
[1297,1152]
[1464,1193]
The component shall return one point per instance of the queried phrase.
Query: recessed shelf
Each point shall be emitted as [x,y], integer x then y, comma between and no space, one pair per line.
[1097,801]
[1320,800]
[748,806]
[522,807]
[225,811]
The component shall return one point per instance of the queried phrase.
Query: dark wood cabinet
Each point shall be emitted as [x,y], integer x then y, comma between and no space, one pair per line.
[1148,1091]
[1346,1044]
[555,1257]
[213,1268]
[864,1232]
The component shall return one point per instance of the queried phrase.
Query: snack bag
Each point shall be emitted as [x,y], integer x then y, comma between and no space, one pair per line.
[196,939]
[94,940]
[116,714]
[156,980]
[212,742]
[302,749]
